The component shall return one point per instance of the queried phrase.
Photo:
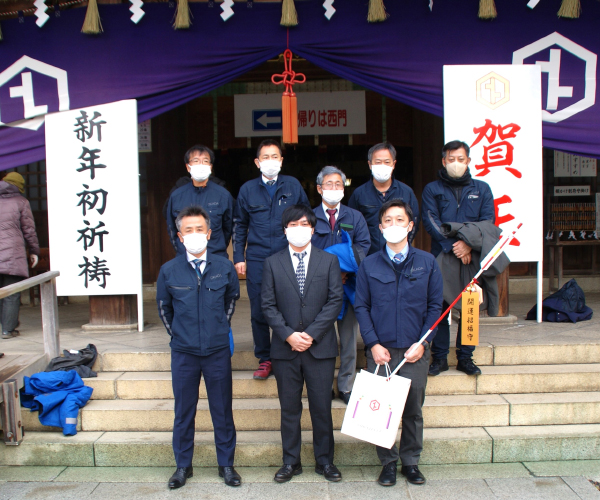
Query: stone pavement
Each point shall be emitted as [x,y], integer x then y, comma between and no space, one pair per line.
[516,481]
[155,338]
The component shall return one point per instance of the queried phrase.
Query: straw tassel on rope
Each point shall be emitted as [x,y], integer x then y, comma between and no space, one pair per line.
[1,37]
[182,17]
[570,9]
[91,23]
[487,9]
[377,11]
[289,16]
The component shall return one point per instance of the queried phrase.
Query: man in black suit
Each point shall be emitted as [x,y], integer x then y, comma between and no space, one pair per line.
[301,298]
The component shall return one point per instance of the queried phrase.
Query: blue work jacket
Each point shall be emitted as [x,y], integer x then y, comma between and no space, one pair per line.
[440,205]
[197,311]
[257,218]
[367,200]
[217,201]
[396,309]
[349,220]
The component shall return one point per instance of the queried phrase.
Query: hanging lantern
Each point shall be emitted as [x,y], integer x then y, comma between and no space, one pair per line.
[289,104]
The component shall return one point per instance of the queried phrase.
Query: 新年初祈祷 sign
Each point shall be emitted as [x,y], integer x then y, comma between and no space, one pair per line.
[93,199]
[496,110]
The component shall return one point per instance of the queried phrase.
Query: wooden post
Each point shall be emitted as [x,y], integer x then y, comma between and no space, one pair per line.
[50,318]
[502,280]
[108,310]
[11,413]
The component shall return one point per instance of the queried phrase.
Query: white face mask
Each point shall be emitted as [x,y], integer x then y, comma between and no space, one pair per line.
[333,196]
[195,243]
[381,173]
[395,234]
[298,236]
[200,172]
[270,168]
[455,169]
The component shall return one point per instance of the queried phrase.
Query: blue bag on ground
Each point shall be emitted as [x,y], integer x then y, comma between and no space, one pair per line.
[567,304]
[57,396]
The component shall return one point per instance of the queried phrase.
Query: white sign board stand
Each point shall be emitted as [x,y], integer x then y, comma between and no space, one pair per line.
[497,111]
[94,201]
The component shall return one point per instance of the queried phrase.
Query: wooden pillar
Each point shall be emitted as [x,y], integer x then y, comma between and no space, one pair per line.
[502,280]
[108,310]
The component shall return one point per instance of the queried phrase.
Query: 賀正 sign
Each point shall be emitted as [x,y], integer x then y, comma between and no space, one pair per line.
[496,110]
[93,199]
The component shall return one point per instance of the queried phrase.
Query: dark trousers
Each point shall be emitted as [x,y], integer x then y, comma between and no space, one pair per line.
[9,306]
[318,375]
[440,347]
[260,327]
[186,371]
[411,439]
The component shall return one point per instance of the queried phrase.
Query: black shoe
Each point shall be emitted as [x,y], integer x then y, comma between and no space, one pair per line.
[345,397]
[388,475]
[181,474]
[329,471]
[467,366]
[230,476]
[413,474]
[287,472]
[437,366]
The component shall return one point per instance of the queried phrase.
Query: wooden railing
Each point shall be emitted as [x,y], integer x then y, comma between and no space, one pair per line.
[47,283]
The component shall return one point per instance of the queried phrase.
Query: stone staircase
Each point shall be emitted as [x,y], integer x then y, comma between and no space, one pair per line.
[531,403]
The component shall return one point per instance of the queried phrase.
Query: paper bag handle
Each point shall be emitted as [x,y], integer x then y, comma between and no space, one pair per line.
[388,371]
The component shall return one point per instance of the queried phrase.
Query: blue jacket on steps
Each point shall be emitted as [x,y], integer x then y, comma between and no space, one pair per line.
[57,396]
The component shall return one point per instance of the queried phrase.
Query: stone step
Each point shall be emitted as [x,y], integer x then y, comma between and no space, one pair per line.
[554,408]
[468,445]
[157,385]
[264,414]
[538,379]
[485,355]
[438,411]
[126,361]
[520,379]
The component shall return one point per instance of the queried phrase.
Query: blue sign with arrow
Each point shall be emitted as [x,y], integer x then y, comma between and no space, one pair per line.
[266,119]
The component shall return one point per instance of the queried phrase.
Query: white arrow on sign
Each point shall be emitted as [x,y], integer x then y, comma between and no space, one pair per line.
[264,120]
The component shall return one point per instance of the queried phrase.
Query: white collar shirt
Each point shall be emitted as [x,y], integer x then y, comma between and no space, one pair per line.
[296,260]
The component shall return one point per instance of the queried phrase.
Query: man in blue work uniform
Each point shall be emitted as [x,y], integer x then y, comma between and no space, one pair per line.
[196,294]
[369,197]
[455,197]
[257,221]
[332,219]
[399,294]
[216,200]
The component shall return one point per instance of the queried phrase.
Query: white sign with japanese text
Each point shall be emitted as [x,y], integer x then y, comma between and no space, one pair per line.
[497,111]
[571,190]
[319,113]
[93,199]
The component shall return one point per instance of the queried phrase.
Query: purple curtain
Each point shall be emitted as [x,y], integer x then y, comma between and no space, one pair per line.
[401,58]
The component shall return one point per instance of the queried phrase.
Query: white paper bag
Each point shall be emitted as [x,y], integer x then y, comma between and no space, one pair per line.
[375,407]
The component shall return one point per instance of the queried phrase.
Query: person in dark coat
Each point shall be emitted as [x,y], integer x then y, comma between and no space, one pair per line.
[301,298]
[332,219]
[215,199]
[399,295]
[17,234]
[259,206]
[196,294]
[369,197]
[454,197]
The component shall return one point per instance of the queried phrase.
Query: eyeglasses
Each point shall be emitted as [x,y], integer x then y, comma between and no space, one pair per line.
[332,185]
[387,163]
[198,161]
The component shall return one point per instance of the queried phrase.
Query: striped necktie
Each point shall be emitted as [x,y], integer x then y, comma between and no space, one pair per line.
[197,263]
[301,271]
